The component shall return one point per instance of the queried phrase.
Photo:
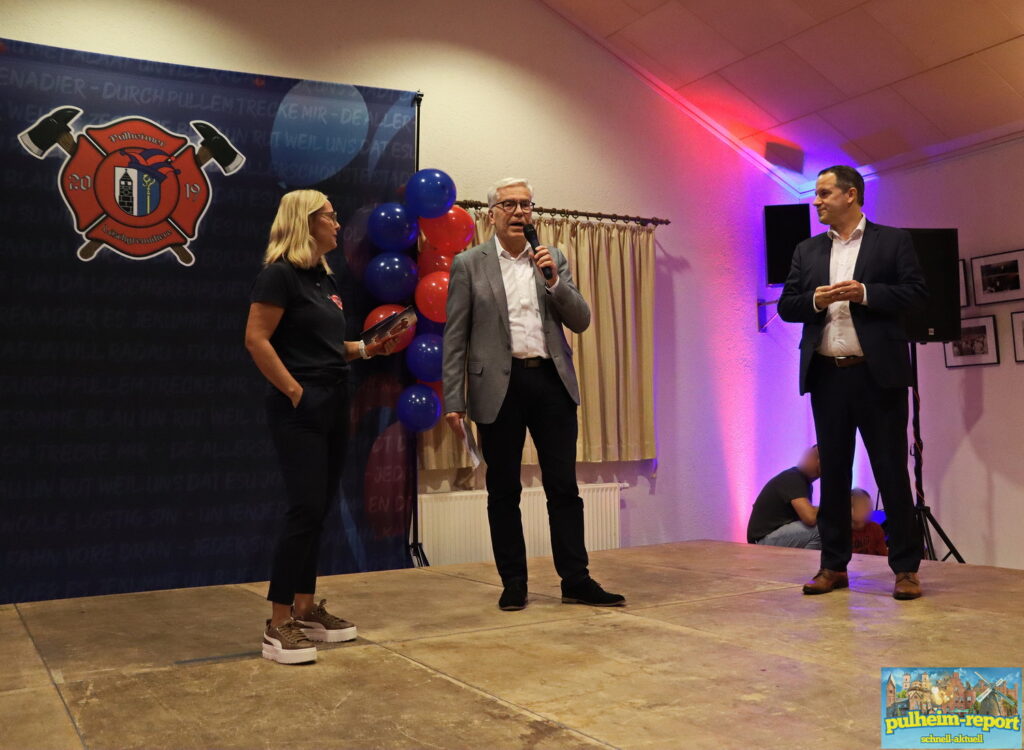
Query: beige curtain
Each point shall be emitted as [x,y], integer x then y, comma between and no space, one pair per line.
[613,266]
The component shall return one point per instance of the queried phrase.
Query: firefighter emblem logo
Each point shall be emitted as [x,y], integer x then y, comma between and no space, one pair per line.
[131,185]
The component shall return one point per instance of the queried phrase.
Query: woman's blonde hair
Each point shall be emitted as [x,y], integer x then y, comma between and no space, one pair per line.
[290,236]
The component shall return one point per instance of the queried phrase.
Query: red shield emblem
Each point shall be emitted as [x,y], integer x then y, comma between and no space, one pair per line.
[132,185]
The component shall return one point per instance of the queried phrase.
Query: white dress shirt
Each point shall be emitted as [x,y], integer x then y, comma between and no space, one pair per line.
[524,319]
[839,337]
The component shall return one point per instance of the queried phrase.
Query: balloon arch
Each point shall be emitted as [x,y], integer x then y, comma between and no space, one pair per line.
[393,277]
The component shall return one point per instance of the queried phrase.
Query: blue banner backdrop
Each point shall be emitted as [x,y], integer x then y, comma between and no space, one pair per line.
[136,201]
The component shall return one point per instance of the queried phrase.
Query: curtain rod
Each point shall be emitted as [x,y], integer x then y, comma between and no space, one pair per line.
[572,213]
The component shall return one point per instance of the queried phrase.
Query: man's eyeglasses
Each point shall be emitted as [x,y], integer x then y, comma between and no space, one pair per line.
[510,206]
[332,215]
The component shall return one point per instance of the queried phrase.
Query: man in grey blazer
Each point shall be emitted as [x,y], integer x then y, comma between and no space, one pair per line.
[507,365]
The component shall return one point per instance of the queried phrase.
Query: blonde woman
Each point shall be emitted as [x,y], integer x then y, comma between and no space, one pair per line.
[295,334]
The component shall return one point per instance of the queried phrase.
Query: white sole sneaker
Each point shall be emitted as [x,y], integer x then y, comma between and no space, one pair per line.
[274,652]
[317,632]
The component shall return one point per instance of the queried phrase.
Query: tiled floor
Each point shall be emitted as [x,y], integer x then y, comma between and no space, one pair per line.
[717,649]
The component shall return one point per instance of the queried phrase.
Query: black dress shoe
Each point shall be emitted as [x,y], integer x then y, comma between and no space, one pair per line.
[590,592]
[513,597]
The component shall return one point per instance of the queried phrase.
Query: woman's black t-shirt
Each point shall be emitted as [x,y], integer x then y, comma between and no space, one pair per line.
[310,339]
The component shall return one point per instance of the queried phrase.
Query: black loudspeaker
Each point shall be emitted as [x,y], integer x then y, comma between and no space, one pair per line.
[785,227]
[938,251]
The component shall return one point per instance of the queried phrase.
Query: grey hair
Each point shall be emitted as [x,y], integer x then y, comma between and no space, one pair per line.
[492,194]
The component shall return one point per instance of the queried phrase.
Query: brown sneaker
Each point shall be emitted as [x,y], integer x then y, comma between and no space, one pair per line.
[286,644]
[826,580]
[321,625]
[908,586]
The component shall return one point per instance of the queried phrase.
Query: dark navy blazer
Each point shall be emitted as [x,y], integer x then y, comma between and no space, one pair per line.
[887,265]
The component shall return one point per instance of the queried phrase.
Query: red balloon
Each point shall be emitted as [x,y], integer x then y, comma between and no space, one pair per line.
[378,314]
[450,233]
[432,260]
[432,296]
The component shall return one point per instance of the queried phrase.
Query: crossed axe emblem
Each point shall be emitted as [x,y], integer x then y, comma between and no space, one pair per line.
[53,131]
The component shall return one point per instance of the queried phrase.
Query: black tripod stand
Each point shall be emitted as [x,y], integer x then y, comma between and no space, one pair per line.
[416,552]
[925,519]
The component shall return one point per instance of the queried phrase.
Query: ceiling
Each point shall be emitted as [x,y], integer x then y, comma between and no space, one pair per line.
[798,85]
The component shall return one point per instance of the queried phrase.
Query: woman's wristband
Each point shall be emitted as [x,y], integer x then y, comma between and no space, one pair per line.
[362,350]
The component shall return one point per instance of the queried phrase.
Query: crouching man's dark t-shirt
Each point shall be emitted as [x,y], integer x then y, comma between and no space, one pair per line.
[774,506]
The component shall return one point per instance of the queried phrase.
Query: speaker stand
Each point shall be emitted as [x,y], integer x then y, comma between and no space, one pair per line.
[925,519]
[416,551]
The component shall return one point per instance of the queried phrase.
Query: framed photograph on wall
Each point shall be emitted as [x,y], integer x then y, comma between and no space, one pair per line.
[1017,325]
[963,283]
[978,344]
[998,277]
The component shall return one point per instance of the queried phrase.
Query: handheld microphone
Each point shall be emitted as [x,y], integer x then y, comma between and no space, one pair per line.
[531,236]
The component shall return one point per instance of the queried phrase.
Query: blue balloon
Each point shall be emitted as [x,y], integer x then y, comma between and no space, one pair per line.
[419,408]
[424,357]
[426,325]
[392,227]
[430,193]
[391,277]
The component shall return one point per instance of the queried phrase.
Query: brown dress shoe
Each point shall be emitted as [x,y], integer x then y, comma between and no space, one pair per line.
[826,580]
[908,586]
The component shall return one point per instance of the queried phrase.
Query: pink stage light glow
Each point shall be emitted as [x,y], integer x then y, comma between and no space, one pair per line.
[789,153]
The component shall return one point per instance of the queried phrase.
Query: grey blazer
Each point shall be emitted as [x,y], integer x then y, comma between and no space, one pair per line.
[477,341]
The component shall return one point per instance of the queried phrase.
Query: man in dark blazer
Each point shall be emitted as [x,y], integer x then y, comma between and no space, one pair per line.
[850,287]
[508,365]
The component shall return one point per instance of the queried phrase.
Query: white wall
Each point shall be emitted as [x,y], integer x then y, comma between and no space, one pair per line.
[512,88]
[972,418]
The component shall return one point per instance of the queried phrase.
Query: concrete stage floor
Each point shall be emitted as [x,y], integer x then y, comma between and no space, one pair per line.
[717,649]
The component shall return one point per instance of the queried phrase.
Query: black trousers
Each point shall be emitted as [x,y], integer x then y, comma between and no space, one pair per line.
[536,401]
[310,442]
[845,400]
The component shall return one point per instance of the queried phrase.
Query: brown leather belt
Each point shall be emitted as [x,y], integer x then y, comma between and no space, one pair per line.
[529,361]
[844,361]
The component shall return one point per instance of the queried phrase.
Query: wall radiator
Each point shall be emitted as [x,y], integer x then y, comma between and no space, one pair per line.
[453,525]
